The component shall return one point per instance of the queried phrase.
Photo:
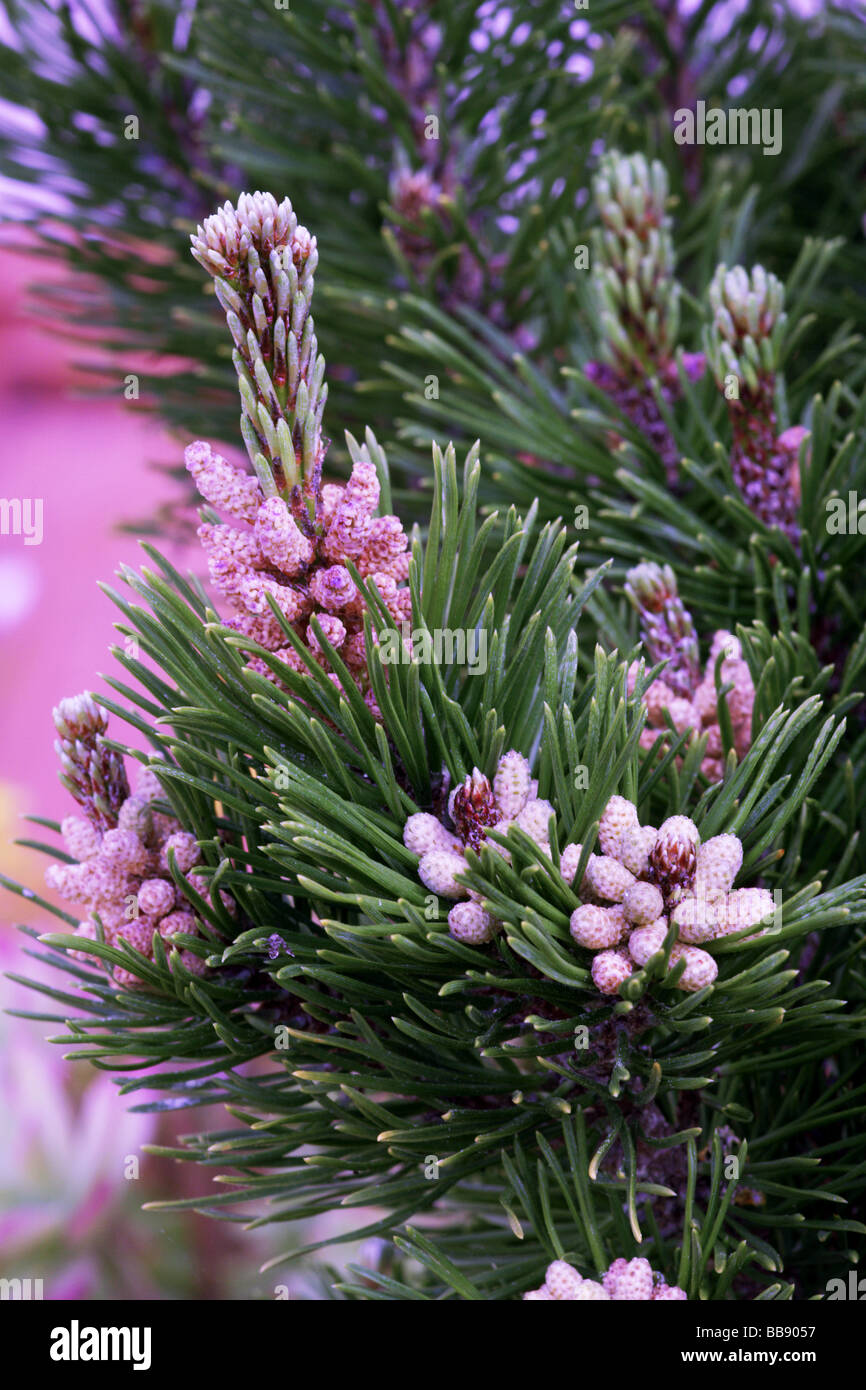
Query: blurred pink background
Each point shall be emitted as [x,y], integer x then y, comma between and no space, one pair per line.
[91,463]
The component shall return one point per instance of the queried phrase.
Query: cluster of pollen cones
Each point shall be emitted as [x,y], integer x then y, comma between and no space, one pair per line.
[647,880]
[281,555]
[644,881]
[123,877]
[695,704]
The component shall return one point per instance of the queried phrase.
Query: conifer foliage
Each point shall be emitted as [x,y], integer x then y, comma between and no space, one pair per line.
[498,858]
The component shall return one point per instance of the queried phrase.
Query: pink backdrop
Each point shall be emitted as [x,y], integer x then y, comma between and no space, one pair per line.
[91,463]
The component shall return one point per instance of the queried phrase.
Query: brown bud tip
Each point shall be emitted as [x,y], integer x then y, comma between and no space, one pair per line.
[473,807]
[649,586]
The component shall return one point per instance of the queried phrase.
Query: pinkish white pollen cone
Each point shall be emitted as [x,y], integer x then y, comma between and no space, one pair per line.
[624,1281]
[474,807]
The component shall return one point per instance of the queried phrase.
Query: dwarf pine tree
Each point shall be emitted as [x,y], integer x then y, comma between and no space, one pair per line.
[498,861]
